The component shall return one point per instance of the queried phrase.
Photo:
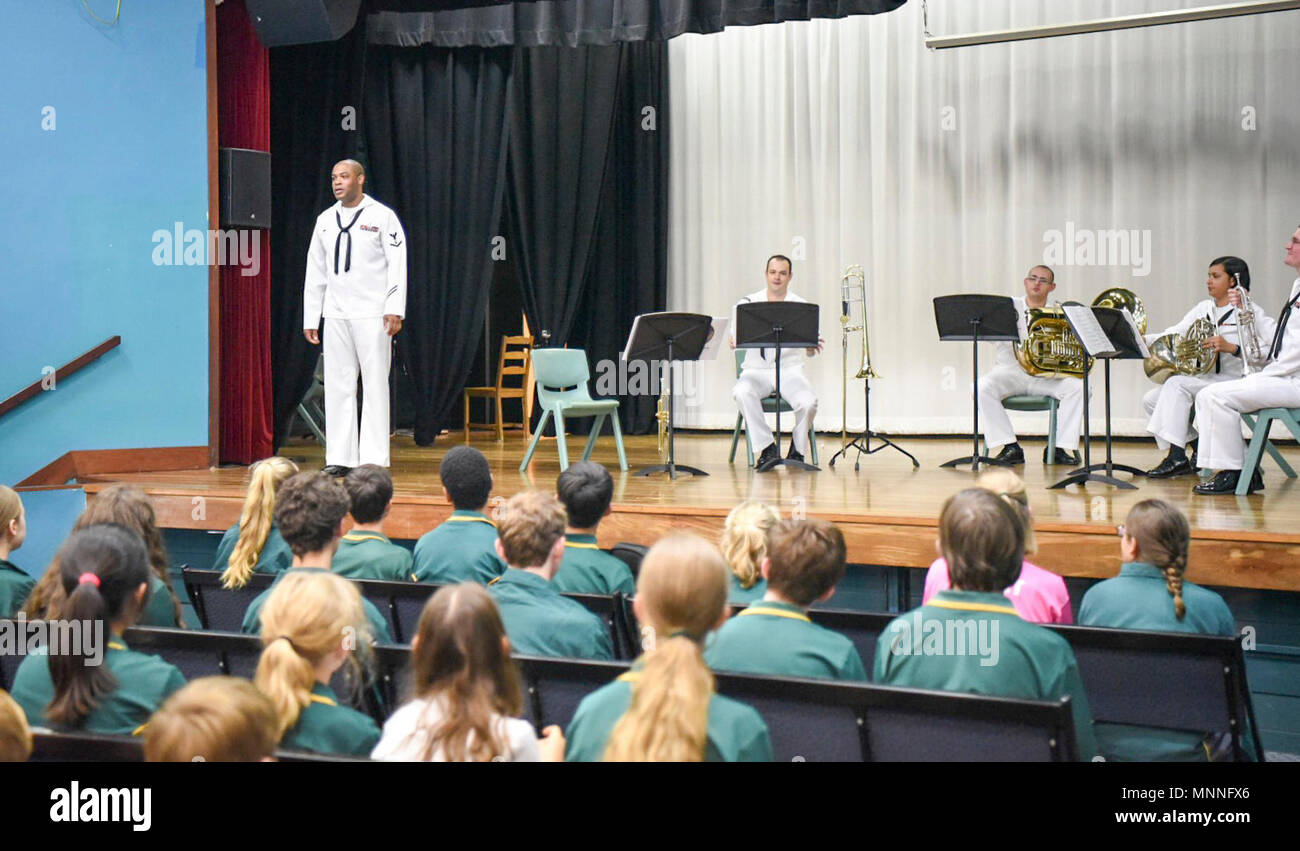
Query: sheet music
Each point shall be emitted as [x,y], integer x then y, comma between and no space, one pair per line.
[1137,335]
[1094,340]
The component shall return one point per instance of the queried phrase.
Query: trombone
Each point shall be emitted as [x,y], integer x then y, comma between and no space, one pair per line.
[853,291]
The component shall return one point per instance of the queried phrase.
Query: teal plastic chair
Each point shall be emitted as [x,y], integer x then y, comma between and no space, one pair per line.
[555,370]
[1036,403]
[1259,423]
[771,404]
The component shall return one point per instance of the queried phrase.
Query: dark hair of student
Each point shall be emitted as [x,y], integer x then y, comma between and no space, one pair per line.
[1163,539]
[788,264]
[102,567]
[308,511]
[460,662]
[370,489]
[466,476]
[1233,266]
[585,488]
[808,559]
[982,539]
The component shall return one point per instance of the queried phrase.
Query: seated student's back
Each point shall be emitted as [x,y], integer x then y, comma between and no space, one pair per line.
[585,489]
[254,544]
[15,583]
[538,619]
[665,708]
[970,638]
[1151,594]
[365,552]
[95,683]
[312,625]
[464,546]
[804,563]
[744,545]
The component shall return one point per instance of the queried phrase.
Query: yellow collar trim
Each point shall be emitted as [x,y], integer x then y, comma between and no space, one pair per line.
[138,730]
[579,545]
[320,698]
[495,581]
[463,519]
[973,607]
[757,609]
[366,536]
[630,677]
[115,645]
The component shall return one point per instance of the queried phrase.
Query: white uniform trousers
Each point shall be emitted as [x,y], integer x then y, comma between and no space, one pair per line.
[1005,381]
[1218,415]
[1169,408]
[756,384]
[353,346]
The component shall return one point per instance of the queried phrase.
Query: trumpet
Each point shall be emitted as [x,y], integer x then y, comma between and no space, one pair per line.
[853,291]
[1246,338]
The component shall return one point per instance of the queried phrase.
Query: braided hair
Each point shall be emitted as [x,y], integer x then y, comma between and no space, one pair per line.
[1163,538]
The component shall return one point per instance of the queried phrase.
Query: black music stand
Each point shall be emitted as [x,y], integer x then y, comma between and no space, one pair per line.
[991,318]
[1124,346]
[778,325]
[668,337]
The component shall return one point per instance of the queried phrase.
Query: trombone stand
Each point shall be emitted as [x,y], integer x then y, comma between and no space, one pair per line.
[862,441]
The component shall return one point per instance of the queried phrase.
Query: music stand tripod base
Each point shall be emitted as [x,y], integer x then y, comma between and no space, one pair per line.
[1082,478]
[671,469]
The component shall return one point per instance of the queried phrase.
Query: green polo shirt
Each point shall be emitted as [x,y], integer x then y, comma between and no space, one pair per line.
[462,548]
[541,622]
[1139,599]
[587,569]
[15,587]
[740,596]
[143,683]
[252,624]
[275,557]
[370,555]
[778,639]
[737,733]
[327,726]
[160,610]
[974,641]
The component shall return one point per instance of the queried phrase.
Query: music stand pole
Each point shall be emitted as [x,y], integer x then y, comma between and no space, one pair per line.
[1086,473]
[975,457]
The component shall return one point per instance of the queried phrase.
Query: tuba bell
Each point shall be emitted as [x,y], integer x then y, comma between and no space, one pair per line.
[1050,349]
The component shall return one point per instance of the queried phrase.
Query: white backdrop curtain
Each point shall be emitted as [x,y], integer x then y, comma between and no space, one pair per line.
[846,141]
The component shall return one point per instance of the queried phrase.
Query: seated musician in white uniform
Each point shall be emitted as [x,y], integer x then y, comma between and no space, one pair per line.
[1169,406]
[1008,378]
[758,376]
[1275,384]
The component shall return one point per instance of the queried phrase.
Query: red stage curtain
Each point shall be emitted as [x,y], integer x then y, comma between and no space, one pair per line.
[244,121]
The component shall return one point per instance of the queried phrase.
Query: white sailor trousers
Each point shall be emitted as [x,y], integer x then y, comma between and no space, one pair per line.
[1218,415]
[1003,381]
[754,385]
[355,347]
[1169,407]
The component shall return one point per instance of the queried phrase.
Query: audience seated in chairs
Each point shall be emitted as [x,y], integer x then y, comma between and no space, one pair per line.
[744,545]
[366,552]
[464,546]
[213,719]
[586,489]
[15,584]
[254,544]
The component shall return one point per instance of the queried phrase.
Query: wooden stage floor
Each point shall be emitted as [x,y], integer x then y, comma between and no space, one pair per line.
[887,509]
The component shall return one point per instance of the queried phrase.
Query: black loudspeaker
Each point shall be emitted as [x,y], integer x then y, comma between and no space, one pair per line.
[281,22]
[245,188]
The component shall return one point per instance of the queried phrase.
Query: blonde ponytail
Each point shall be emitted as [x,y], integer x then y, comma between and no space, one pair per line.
[255,519]
[744,540]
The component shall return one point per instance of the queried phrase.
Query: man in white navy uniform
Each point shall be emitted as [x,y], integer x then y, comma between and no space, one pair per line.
[356,280]
[758,376]
[1008,378]
[1274,385]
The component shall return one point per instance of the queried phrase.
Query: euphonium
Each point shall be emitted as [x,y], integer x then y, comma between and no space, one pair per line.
[1050,348]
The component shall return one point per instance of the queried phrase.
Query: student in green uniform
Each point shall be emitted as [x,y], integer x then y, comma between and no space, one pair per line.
[310,628]
[92,681]
[1151,594]
[464,546]
[538,619]
[969,637]
[465,690]
[365,552]
[213,719]
[586,489]
[310,510]
[15,583]
[744,545]
[254,544]
[665,708]
[15,735]
[804,563]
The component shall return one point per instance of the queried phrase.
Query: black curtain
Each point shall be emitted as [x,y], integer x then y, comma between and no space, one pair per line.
[436,136]
[311,87]
[596,22]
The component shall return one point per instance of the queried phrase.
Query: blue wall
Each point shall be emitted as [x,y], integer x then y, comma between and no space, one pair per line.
[127,156]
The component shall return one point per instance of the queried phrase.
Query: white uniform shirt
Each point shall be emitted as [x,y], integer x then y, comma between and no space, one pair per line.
[791,358]
[1225,321]
[374,282]
[1287,364]
[406,734]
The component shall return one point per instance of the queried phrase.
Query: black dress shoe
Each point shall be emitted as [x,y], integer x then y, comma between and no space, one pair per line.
[1011,454]
[794,454]
[1170,467]
[1225,481]
[1061,457]
[769,455]
[336,471]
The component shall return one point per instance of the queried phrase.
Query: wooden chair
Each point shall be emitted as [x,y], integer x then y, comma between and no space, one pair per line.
[515,359]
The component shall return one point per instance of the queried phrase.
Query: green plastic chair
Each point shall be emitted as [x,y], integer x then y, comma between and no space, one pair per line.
[1259,423]
[556,370]
[1036,403]
[771,404]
